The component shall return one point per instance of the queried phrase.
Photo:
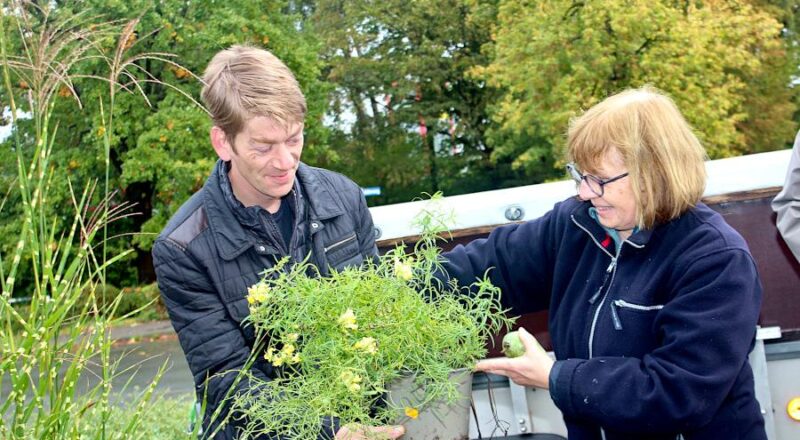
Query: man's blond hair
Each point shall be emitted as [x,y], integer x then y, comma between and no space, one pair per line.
[244,82]
[663,156]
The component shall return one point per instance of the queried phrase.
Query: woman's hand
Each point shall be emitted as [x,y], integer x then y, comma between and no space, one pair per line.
[359,432]
[531,369]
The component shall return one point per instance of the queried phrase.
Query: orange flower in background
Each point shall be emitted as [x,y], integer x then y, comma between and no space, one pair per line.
[412,412]
[180,72]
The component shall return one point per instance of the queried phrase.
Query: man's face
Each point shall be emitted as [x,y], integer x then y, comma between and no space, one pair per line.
[263,162]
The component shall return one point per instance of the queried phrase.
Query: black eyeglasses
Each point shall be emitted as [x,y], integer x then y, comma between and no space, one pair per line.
[595,184]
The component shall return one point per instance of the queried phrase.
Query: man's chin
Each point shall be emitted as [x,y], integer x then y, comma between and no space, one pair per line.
[281,192]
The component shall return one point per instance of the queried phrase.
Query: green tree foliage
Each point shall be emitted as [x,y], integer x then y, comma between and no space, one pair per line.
[720,60]
[160,154]
[494,82]
[395,66]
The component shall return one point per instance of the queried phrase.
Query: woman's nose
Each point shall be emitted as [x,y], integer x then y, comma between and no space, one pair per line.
[584,192]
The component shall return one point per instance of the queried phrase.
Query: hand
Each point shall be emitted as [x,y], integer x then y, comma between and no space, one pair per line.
[358,432]
[530,369]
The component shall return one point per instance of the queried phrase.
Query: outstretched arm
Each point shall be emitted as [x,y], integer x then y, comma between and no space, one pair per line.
[787,203]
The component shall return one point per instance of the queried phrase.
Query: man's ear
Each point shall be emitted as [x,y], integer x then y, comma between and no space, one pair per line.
[220,142]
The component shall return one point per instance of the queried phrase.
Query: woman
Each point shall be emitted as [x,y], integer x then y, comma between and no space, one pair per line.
[653,299]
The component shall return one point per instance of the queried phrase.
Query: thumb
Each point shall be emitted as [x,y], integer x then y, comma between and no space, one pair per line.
[529,341]
[394,431]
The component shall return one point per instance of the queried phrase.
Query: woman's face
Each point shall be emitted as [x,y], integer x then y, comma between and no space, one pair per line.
[616,208]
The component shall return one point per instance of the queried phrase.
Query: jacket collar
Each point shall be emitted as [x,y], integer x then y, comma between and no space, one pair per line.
[582,218]
[226,215]
[323,204]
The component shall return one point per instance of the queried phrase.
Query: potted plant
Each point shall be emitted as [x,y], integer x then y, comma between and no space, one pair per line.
[340,342]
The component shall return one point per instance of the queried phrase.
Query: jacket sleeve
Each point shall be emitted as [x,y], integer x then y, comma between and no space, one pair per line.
[211,339]
[787,203]
[366,228]
[706,329]
[518,258]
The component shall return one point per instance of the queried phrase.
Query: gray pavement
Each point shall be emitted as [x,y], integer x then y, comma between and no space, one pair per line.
[138,330]
[142,350]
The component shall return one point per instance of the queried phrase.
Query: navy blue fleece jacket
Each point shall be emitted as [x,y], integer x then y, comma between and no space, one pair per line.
[651,340]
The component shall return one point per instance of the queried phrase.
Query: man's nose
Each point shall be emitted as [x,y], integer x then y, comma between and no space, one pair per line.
[283,159]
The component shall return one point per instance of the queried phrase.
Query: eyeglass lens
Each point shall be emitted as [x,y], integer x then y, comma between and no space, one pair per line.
[592,182]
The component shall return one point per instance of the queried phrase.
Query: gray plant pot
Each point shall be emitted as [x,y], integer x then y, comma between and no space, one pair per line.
[439,421]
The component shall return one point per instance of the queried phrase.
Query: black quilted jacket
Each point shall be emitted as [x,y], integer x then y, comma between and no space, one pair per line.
[214,248]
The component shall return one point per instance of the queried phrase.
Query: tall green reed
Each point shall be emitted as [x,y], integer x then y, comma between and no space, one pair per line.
[61,337]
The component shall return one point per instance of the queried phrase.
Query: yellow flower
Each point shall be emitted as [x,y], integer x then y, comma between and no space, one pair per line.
[351,380]
[412,412]
[292,337]
[295,359]
[348,320]
[270,354]
[403,270]
[287,351]
[367,345]
[257,293]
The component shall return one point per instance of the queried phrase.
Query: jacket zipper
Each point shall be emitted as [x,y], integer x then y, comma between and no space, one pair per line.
[609,277]
[339,243]
[621,303]
[610,268]
[610,273]
[273,232]
[626,305]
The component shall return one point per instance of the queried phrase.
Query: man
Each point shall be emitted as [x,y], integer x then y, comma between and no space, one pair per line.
[260,204]
[787,203]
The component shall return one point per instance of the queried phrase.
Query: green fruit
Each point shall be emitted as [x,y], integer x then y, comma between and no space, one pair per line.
[512,345]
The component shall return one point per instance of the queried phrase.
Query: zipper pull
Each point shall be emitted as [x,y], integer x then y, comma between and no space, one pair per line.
[611,265]
[615,316]
[596,295]
[610,269]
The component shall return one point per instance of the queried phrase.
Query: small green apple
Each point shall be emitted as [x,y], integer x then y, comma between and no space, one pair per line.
[512,345]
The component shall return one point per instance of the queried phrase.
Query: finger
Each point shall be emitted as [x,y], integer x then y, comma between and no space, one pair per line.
[499,372]
[389,431]
[492,364]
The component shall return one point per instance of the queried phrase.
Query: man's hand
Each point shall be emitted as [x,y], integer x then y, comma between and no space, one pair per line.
[530,369]
[359,432]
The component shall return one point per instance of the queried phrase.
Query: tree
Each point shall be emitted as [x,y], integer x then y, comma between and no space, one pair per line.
[406,114]
[716,59]
[159,154]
